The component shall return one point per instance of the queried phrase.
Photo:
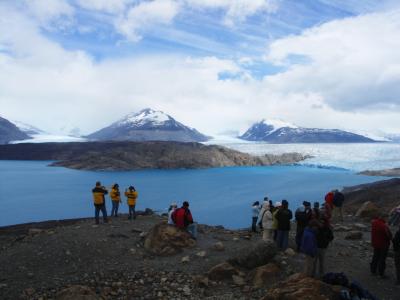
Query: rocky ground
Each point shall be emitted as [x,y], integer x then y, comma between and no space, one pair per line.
[75,258]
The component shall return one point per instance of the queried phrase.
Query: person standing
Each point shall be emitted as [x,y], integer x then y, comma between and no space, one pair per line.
[380,241]
[183,219]
[255,211]
[115,199]
[316,212]
[131,195]
[324,237]
[171,210]
[266,220]
[338,199]
[396,248]
[309,247]
[284,215]
[303,216]
[99,202]
[274,220]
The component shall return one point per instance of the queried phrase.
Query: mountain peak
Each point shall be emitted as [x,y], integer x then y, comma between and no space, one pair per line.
[145,116]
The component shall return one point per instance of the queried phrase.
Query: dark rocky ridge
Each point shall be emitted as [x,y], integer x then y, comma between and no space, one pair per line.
[385,194]
[395,172]
[10,132]
[140,155]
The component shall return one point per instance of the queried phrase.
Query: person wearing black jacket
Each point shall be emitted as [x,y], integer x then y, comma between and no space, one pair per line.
[396,248]
[324,237]
[283,216]
[303,216]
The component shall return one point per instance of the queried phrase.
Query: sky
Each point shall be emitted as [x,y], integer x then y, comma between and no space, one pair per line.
[216,65]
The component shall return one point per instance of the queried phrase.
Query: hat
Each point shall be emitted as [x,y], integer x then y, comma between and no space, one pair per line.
[306,203]
[173,204]
[316,204]
[266,198]
[185,204]
[277,204]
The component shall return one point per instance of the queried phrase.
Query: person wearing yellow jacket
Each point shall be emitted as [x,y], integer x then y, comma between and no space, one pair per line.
[115,196]
[131,195]
[99,201]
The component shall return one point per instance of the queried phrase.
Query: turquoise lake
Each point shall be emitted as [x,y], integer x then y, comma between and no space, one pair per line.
[32,191]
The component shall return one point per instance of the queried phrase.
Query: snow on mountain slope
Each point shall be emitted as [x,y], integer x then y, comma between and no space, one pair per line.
[148,125]
[282,132]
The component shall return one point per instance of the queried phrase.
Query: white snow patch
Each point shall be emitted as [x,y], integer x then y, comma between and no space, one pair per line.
[48,138]
[156,118]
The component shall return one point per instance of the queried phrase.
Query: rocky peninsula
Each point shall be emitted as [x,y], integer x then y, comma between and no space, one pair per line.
[395,172]
[140,155]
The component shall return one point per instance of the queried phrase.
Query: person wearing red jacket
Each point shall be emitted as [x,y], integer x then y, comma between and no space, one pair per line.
[380,241]
[329,198]
[183,219]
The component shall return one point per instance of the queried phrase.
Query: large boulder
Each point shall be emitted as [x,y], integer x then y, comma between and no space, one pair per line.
[368,210]
[264,275]
[164,239]
[298,286]
[259,255]
[77,292]
[222,271]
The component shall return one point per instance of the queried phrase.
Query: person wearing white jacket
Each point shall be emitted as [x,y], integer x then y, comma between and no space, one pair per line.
[266,220]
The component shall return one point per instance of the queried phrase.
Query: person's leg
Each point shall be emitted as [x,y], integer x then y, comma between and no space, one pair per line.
[96,213]
[264,234]
[275,234]
[308,265]
[285,240]
[192,229]
[321,261]
[112,208]
[279,239]
[254,224]
[382,261]
[299,237]
[116,208]
[130,212]
[374,262]
[397,265]
[104,212]
[134,211]
[341,213]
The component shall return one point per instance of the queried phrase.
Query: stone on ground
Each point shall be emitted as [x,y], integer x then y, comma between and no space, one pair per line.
[298,286]
[77,292]
[259,255]
[164,239]
[264,275]
[368,210]
[222,271]
[354,235]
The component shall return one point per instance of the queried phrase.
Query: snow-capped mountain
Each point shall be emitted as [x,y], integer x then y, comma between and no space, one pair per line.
[28,129]
[281,132]
[148,125]
[10,132]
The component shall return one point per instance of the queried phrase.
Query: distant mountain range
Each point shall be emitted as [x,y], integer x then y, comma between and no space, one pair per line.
[280,132]
[152,125]
[148,125]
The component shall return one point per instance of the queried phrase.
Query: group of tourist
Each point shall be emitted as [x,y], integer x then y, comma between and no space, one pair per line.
[314,231]
[99,200]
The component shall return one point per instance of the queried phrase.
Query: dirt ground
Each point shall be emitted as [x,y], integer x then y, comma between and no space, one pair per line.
[38,260]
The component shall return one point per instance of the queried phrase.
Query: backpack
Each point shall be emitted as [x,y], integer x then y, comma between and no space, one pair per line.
[338,199]
[336,279]
[357,290]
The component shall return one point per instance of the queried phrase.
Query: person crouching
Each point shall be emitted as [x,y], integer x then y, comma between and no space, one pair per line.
[183,219]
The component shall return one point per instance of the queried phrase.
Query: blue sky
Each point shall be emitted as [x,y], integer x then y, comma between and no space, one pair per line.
[316,63]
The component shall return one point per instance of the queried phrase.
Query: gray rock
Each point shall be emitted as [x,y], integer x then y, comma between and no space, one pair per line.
[260,254]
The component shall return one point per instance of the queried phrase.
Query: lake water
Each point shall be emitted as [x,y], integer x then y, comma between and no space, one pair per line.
[31,191]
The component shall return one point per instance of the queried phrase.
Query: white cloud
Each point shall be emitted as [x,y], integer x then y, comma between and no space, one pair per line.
[51,12]
[108,6]
[355,62]
[236,10]
[144,15]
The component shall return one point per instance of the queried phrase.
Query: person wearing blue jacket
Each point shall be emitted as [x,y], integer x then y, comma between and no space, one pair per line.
[309,247]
